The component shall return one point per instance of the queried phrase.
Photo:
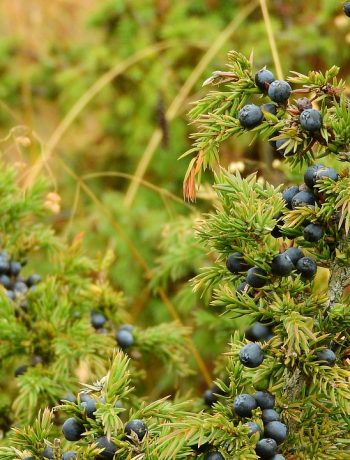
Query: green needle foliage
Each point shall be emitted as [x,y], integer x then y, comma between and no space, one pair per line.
[48,342]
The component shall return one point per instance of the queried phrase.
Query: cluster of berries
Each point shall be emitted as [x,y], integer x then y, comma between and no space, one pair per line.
[73,428]
[307,195]
[279,91]
[282,265]
[275,432]
[16,286]
[123,336]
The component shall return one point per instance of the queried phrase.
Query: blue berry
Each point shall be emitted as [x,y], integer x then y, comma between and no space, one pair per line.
[278,457]
[257,332]
[251,355]
[97,320]
[214,455]
[313,233]
[294,254]
[279,91]
[242,287]
[235,263]
[71,455]
[15,268]
[108,448]
[347,8]
[72,429]
[69,397]
[138,427]
[270,415]
[311,120]
[288,194]
[264,399]
[266,448]
[244,404]
[47,453]
[269,107]
[281,265]
[307,267]
[263,79]
[250,116]
[124,338]
[303,199]
[280,145]
[330,173]
[254,428]
[256,277]
[327,357]
[32,280]
[276,430]
[89,407]
[5,281]
[21,370]
[310,174]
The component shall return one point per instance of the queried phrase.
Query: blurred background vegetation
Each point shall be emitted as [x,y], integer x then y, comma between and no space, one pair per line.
[94,94]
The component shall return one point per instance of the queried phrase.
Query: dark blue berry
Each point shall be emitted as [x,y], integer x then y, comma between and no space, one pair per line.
[136,426]
[72,429]
[254,428]
[281,265]
[270,415]
[5,281]
[269,107]
[84,397]
[20,287]
[15,268]
[303,199]
[347,8]
[251,355]
[280,145]
[21,370]
[10,294]
[235,263]
[68,397]
[124,338]
[263,79]
[214,455]
[209,397]
[294,254]
[257,332]
[244,404]
[32,280]
[264,399]
[250,116]
[279,91]
[330,173]
[278,457]
[288,194]
[313,233]
[256,277]
[71,455]
[4,267]
[327,357]
[276,430]
[108,448]
[97,320]
[266,448]
[307,267]
[242,287]
[47,453]
[310,174]
[311,120]
[89,407]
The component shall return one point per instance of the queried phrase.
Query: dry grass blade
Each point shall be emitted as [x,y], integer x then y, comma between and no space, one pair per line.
[271,37]
[77,108]
[148,273]
[181,97]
